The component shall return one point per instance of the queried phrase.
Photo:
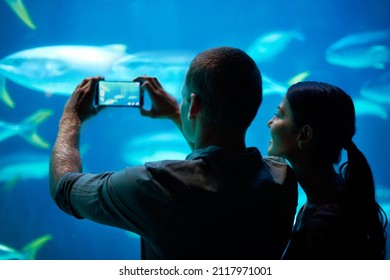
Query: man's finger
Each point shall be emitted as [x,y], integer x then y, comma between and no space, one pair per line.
[145,112]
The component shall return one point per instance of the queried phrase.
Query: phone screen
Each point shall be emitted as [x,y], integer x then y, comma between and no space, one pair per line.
[119,94]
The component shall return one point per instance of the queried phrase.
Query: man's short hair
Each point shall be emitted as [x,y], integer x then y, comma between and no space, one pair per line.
[229,86]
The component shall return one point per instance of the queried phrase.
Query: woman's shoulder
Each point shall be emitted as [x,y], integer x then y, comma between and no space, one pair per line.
[335,215]
[333,211]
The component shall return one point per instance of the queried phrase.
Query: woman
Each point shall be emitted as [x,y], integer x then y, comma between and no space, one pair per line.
[341,218]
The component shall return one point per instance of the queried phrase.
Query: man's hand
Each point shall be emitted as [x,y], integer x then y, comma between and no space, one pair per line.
[81,102]
[163,104]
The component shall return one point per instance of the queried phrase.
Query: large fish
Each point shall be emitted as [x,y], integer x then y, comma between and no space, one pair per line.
[170,67]
[20,166]
[361,50]
[27,128]
[28,252]
[169,145]
[269,45]
[20,10]
[23,166]
[365,107]
[377,89]
[58,69]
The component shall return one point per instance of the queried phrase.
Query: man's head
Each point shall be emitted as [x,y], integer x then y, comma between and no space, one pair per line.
[227,86]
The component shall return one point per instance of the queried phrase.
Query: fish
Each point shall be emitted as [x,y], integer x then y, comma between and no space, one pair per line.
[298,78]
[270,86]
[26,165]
[269,45]
[5,97]
[168,145]
[377,89]
[361,50]
[169,66]
[23,166]
[28,252]
[20,10]
[59,69]
[365,107]
[27,128]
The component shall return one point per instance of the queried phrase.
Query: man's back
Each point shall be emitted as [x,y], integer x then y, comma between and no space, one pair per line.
[218,204]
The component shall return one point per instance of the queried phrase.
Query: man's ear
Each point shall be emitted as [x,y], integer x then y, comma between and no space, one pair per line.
[194,106]
[305,136]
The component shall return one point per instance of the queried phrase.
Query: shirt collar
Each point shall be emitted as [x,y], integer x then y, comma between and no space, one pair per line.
[252,154]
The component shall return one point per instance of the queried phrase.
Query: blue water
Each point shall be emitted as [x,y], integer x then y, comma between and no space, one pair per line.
[26,208]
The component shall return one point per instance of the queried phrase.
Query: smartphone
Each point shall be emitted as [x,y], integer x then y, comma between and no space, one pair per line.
[119,94]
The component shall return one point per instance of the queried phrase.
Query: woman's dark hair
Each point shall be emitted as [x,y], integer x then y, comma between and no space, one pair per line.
[331,114]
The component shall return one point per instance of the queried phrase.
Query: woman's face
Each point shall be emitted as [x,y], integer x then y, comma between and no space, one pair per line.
[284,133]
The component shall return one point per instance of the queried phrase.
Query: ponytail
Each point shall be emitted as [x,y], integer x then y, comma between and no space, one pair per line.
[360,183]
[357,173]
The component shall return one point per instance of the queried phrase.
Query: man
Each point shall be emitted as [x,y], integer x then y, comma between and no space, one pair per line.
[224,201]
